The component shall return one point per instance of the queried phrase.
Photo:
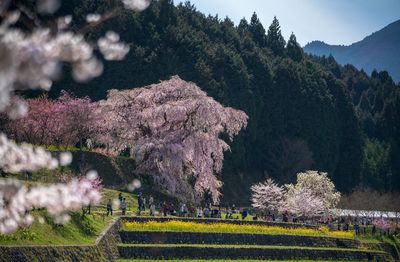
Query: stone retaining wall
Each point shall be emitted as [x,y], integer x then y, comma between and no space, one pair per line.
[140,237]
[182,252]
[50,253]
[109,239]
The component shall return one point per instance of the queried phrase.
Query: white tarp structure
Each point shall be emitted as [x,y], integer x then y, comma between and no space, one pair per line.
[366,213]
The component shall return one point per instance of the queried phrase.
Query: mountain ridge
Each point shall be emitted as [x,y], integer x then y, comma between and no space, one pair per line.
[377,51]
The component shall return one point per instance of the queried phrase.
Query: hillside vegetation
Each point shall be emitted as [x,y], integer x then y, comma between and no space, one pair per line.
[304,112]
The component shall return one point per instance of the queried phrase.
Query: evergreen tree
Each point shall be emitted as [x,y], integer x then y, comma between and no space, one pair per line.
[293,49]
[167,13]
[274,39]
[243,26]
[257,30]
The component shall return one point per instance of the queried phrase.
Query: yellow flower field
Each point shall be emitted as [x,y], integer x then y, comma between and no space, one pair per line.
[188,226]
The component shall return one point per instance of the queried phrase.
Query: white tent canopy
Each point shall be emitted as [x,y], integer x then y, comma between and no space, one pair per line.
[366,213]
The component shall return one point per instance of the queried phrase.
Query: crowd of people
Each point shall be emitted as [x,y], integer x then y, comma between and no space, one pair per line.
[122,205]
[148,206]
[361,224]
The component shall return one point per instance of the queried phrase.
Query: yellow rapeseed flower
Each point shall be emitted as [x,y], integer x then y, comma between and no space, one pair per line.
[221,227]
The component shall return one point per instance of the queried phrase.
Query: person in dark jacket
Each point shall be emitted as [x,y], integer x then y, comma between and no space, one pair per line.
[109,208]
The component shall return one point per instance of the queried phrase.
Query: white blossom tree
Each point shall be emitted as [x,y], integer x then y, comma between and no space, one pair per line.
[172,130]
[31,59]
[320,185]
[314,194]
[302,202]
[267,196]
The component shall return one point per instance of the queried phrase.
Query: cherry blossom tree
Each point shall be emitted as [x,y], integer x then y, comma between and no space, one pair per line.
[65,121]
[16,200]
[36,125]
[78,117]
[302,202]
[14,158]
[267,196]
[31,58]
[313,194]
[172,130]
[319,184]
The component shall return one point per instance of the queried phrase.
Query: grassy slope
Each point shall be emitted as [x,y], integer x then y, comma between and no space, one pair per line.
[78,231]
[72,232]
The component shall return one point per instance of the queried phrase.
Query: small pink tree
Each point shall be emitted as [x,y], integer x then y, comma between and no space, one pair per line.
[267,196]
[35,126]
[172,130]
[65,121]
[78,117]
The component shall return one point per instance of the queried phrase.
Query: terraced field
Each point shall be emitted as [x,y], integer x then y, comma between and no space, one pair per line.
[149,240]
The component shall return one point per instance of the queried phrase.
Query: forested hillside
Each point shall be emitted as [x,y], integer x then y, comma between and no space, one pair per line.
[304,112]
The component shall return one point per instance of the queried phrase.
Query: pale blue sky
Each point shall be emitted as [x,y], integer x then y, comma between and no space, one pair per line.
[332,21]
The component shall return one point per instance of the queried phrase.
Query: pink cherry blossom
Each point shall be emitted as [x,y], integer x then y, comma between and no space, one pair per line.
[16,158]
[65,121]
[16,200]
[172,130]
[303,202]
[381,224]
[267,196]
[314,194]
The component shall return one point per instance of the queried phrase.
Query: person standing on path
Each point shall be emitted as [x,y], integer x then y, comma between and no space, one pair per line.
[152,209]
[123,206]
[109,208]
[140,203]
[183,210]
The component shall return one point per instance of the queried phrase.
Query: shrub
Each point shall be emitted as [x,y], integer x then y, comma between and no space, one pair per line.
[27,235]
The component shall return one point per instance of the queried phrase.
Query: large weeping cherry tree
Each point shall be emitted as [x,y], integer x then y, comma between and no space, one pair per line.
[32,53]
[172,129]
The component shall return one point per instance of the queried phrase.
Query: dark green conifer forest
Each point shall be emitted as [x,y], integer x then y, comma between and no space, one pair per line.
[305,112]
